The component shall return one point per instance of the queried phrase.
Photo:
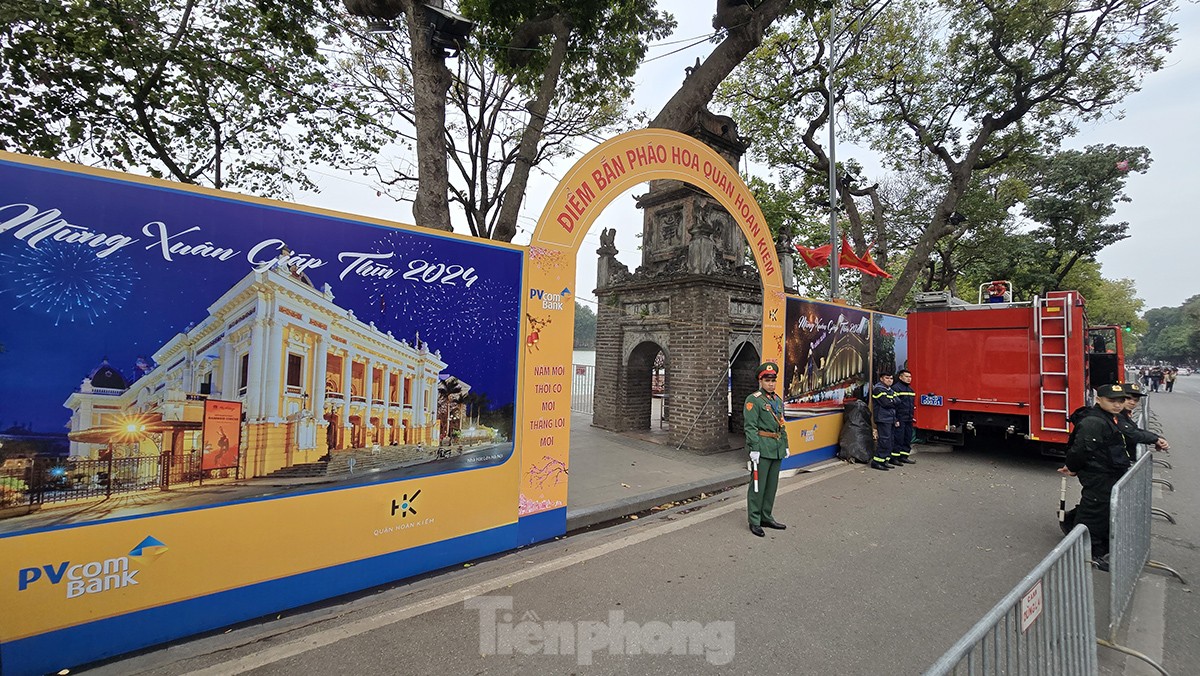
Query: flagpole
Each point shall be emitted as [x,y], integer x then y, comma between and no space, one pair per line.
[834,241]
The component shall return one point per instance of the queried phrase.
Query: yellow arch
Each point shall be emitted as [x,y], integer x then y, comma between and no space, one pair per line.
[543,425]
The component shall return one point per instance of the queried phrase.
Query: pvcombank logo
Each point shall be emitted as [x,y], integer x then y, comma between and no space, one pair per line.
[94,577]
[549,300]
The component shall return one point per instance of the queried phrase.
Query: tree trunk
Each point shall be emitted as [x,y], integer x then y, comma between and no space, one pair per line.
[514,194]
[431,81]
[938,228]
[698,88]
[872,285]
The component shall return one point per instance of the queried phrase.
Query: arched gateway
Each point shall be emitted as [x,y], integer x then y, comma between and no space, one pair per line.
[603,174]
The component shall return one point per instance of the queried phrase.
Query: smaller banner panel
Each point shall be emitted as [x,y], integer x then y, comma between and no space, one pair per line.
[889,344]
[827,357]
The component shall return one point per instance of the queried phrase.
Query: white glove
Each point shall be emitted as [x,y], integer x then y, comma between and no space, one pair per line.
[754,456]
[787,453]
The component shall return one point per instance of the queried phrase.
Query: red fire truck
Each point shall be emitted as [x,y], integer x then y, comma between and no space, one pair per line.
[1016,369]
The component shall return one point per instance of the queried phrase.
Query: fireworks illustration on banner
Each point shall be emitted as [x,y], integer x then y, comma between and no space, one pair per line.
[472,309]
[65,281]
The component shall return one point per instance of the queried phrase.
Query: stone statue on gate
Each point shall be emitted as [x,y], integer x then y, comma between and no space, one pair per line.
[609,270]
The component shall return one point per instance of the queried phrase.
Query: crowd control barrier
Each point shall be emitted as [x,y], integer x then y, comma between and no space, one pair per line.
[1045,625]
[1131,510]
[1142,419]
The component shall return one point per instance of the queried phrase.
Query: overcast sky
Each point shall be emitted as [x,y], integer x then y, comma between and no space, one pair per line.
[1163,233]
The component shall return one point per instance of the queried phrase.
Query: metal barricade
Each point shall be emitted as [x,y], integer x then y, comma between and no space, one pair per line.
[583,388]
[1045,625]
[1129,524]
[1128,536]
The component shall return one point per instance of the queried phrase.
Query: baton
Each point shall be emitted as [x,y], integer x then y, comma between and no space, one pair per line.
[1062,501]
[754,474]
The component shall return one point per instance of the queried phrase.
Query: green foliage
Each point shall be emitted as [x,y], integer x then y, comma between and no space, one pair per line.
[1024,70]
[969,87]
[12,491]
[13,483]
[783,205]
[585,327]
[1073,194]
[1173,334]
[225,94]
[535,78]
[608,42]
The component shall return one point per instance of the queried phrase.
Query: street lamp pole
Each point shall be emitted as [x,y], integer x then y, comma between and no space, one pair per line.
[834,241]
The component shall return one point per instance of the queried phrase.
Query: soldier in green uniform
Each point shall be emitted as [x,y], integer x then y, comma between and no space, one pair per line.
[766,440]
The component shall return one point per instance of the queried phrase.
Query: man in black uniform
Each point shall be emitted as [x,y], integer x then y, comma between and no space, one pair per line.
[1135,435]
[1098,457]
[883,404]
[905,407]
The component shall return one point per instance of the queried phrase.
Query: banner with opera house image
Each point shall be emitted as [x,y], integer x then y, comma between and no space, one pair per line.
[829,353]
[826,356]
[338,352]
[190,378]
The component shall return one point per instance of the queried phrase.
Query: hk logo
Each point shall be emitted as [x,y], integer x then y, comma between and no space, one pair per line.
[405,505]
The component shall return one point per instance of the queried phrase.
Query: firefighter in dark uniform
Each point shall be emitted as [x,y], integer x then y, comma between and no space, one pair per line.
[905,407]
[1135,435]
[1098,457]
[766,440]
[883,405]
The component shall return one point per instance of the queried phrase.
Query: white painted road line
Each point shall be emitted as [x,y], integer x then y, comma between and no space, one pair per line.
[332,635]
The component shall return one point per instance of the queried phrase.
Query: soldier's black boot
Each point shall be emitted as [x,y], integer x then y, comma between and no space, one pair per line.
[880,465]
[895,460]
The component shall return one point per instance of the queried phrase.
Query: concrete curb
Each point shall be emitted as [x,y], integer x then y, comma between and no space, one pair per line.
[608,511]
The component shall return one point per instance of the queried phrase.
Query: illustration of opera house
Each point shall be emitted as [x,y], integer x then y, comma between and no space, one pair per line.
[825,385]
[312,380]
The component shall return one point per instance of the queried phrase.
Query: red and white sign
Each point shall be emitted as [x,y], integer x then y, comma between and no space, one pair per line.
[1031,606]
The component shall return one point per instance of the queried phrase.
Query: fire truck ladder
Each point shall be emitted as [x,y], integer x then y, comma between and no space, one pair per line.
[1053,319]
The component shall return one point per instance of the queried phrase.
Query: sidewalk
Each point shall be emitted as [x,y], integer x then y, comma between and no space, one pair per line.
[613,475]
[617,474]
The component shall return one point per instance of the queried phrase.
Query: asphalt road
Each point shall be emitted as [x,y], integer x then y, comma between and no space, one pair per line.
[878,573]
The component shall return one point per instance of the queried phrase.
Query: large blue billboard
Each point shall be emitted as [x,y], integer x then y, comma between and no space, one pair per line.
[354,352]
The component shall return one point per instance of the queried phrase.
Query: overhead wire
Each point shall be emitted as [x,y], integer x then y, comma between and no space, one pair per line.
[384,45]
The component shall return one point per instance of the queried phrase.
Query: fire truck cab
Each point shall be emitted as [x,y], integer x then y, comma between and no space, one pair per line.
[1017,369]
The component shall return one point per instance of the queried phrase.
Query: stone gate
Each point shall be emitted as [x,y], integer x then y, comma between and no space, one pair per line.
[694,298]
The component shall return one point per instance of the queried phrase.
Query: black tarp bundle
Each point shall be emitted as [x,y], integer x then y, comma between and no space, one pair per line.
[856,442]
